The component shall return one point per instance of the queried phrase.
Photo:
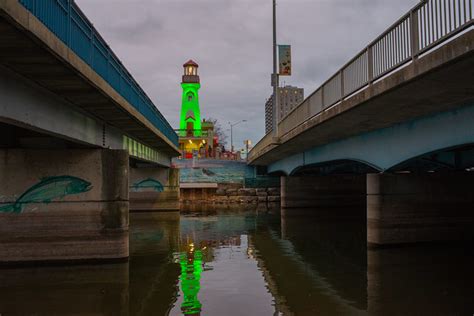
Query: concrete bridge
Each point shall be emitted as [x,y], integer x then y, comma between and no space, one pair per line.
[81,143]
[390,132]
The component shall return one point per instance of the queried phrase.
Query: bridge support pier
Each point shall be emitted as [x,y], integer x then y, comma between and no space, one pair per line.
[332,196]
[155,189]
[63,205]
[409,208]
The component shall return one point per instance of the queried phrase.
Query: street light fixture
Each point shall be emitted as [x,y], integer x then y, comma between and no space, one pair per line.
[231,133]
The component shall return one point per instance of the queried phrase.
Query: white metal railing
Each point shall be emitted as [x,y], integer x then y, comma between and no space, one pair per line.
[425,26]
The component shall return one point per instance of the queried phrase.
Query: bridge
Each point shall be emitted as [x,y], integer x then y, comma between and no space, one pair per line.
[81,142]
[390,133]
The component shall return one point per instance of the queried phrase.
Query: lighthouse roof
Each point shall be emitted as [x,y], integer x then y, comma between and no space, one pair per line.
[191,63]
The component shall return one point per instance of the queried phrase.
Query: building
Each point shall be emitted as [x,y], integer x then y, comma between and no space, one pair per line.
[196,137]
[289,98]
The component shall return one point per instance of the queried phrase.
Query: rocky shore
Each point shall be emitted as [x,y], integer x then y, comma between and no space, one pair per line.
[231,194]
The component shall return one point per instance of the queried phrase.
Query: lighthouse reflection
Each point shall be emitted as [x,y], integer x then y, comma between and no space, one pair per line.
[191,269]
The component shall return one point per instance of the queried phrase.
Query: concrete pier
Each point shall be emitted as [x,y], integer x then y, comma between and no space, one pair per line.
[154,189]
[409,208]
[63,205]
[332,195]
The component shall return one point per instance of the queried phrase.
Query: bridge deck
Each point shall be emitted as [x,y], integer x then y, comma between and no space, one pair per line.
[441,80]
[421,65]
[30,48]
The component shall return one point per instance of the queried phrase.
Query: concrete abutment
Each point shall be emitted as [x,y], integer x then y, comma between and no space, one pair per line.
[155,189]
[63,205]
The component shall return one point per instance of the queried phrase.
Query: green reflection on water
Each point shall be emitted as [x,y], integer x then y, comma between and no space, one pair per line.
[191,269]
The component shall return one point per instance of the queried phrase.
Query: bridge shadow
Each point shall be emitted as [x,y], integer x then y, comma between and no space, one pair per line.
[314,266]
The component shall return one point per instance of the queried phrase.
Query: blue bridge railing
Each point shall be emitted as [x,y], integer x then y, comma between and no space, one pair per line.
[68,23]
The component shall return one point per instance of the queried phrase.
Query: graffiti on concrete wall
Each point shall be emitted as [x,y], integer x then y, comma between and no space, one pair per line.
[213,171]
[148,184]
[48,190]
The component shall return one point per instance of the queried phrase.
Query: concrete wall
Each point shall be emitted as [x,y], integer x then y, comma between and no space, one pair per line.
[213,171]
[146,194]
[409,208]
[63,205]
[332,195]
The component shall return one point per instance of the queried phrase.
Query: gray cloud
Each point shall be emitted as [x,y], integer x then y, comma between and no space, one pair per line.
[231,40]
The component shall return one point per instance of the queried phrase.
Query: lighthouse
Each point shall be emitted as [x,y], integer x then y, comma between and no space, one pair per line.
[196,136]
[190,120]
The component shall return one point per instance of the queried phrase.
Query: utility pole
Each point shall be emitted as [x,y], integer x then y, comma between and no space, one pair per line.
[275,79]
[231,133]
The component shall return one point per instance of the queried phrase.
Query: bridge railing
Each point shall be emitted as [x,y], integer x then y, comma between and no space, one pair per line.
[70,25]
[194,133]
[425,26]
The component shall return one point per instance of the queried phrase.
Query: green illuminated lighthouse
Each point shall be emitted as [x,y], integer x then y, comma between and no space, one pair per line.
[190,113]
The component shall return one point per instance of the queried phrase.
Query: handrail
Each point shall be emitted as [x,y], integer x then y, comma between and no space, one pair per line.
[66,20]
[427,25]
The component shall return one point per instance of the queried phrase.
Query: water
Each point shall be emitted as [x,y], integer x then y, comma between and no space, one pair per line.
[249,262]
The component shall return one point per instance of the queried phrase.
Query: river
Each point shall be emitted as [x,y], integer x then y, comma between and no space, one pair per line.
[243,261]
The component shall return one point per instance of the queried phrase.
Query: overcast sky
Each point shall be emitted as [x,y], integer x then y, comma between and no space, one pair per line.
[231,40]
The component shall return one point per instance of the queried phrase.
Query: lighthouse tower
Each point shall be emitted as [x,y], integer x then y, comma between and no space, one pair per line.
[190,119]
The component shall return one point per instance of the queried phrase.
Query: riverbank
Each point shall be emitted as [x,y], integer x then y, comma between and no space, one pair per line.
[229,194]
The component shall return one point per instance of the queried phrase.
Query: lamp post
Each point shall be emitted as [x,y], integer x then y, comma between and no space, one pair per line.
[275,83]
[231,133]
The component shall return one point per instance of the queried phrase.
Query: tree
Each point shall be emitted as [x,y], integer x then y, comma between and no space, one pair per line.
[218,131]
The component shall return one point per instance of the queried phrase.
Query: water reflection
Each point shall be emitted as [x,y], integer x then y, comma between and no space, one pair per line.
[428,280]
[250,262]
[71,290]
[191,269]
[315,266]
[154,272]
[218,274]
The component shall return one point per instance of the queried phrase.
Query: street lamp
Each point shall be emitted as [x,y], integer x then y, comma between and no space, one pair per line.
[231,134]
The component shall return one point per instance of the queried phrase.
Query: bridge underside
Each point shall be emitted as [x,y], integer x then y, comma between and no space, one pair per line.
[29,49]
[439,81]
[411,182]
[75,156]
[439,141]
[399,152]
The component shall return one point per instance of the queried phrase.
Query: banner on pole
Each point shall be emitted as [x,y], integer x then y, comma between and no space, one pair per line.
[284,57]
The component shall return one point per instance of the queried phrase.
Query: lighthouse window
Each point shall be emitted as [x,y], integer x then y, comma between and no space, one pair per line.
[190,96]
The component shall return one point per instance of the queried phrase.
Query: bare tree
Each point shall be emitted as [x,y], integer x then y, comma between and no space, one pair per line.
[218,131]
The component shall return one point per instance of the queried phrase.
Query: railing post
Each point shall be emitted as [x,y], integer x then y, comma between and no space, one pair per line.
[415,31]
[370,65]
[322,97]
[342,84]
[69,18]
